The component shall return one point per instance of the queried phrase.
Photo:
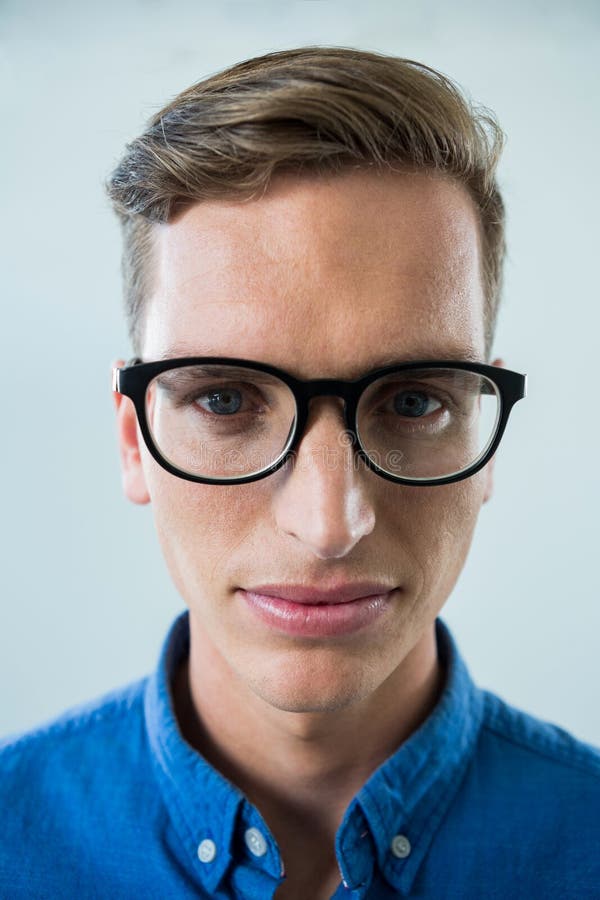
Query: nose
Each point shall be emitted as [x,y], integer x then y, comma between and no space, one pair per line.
[321,496]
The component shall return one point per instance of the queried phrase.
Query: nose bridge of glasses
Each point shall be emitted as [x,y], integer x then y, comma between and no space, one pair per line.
[327,387]
[327,390]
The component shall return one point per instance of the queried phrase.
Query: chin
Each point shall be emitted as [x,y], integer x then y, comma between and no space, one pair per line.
[308,702]
[315,685]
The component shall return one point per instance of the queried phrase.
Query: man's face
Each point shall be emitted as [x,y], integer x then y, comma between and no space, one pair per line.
[325,278]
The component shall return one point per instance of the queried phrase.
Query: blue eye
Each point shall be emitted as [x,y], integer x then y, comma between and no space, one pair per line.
[414,404]
[225,402]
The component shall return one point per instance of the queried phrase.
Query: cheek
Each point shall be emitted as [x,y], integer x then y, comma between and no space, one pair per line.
[436,527]
[200,527]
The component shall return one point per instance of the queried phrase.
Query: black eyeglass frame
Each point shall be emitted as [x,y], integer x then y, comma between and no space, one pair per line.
[132,380]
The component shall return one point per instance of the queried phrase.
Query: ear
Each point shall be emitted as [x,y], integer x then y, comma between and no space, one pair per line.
[489,469]
[132,473]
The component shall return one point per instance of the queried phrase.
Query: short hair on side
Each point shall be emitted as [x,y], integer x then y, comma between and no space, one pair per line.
[319,110]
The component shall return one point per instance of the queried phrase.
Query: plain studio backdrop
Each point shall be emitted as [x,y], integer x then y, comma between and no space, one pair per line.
[86,597]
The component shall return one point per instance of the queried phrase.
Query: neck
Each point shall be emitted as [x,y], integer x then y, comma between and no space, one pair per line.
[300,769]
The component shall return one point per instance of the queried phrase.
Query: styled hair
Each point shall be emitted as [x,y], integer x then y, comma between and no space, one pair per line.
[316,110]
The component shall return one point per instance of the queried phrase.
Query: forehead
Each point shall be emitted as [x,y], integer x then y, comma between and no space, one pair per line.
[325,277]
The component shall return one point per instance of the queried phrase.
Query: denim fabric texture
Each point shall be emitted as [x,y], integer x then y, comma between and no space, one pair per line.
[483,801]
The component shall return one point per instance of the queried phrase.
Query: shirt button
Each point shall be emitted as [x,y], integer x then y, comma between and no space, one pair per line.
[400,846]
[207,850]
[255,842]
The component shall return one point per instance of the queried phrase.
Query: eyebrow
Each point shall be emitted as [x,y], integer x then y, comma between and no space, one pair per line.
[455,353]
[178,351]
[188,376]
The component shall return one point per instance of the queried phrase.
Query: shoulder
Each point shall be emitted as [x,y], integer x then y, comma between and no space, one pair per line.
[78,797]
[79,773]
[532,776]
[526,809]
[513,734]
[104,726]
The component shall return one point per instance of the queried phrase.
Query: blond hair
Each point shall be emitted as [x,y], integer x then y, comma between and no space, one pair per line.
[311,109]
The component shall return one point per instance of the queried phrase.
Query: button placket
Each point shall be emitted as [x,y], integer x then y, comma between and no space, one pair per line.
[355,854]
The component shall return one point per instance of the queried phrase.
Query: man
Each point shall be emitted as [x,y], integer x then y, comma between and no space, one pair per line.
[313,245]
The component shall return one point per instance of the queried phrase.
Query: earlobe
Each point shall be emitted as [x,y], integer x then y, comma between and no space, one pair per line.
[132,472]
[489,480]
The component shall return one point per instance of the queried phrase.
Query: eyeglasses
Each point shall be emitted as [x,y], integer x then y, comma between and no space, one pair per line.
[217,420]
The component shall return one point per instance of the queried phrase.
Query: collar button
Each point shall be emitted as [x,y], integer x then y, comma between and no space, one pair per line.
[400,846]
[255,842]
[207,850]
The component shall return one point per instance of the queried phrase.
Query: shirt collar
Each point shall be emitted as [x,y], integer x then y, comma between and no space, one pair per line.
[403,802]
[393,818]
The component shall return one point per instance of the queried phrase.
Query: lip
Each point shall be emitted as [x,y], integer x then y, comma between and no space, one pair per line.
[342,592]
[315,618]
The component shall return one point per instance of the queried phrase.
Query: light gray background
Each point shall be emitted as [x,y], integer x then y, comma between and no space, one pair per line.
[86,598]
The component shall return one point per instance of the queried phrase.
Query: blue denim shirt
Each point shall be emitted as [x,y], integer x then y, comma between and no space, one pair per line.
[482,801]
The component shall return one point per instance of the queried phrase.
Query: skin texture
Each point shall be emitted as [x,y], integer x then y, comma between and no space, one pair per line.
[325,278]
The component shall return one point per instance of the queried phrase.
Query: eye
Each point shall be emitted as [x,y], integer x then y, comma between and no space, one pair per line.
[223,402]
[415,404]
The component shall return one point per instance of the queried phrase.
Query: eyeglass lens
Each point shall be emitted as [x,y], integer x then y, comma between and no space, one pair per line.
[222,421]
